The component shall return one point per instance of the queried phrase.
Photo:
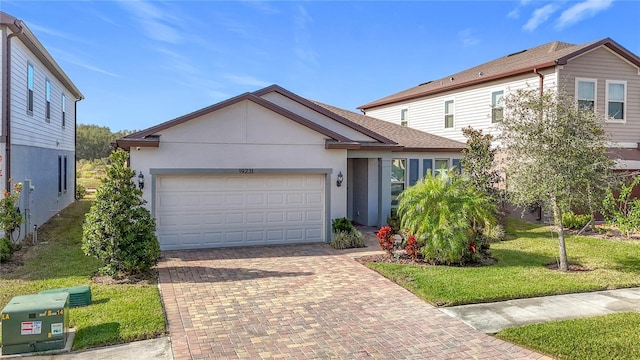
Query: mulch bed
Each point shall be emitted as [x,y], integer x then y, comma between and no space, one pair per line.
[402,258]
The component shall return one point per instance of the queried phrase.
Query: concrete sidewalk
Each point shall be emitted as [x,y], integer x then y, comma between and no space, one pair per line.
[493,317]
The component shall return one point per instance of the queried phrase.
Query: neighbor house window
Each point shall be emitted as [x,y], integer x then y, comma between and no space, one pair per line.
[448,114]
[440,165]
[404,117]
[497,110]
[59,174]
[30,89]
[63,105]
[398,175]
[64,174]
[586,93]
[616,99]
[47,89]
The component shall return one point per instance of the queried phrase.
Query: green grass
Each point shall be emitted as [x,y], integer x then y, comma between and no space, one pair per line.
[118,313]
[604,337]
[520,271]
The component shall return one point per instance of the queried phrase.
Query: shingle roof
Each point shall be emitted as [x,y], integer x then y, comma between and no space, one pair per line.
[540,57]
[384,135]
[404,136]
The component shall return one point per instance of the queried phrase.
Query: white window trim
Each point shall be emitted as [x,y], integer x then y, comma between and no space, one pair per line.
[47,99]
[491,106]
[444,117]
[436,169]
[63,112]
[606,102]
[595,90]
[406,119]
[31,87]
[404,181]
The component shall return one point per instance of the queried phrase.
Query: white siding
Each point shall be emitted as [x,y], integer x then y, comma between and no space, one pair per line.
[472,106]
[35,130]
[602,64]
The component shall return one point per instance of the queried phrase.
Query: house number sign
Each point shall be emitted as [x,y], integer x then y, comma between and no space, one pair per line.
[245,171]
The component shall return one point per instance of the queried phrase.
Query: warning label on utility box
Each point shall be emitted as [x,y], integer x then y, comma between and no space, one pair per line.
[31,328]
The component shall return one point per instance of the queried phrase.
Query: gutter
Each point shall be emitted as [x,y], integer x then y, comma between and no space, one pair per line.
[17,30]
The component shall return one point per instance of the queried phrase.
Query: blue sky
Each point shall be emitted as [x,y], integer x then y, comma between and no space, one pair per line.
[140,63]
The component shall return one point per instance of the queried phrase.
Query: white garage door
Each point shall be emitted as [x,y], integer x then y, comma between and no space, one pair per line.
[204,211]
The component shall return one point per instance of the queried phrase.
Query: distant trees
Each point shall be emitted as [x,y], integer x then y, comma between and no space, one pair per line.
[94,142]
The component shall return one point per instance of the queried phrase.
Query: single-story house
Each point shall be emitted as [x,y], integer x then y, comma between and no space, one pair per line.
[271,167]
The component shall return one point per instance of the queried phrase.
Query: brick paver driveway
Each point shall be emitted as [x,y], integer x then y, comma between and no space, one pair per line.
[306,302]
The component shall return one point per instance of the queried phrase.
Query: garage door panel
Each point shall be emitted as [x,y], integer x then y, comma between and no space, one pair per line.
[228,210]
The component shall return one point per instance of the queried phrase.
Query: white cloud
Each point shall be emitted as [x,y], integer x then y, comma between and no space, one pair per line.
[467,37]
[246,80]
[539,16]
[157,23]
[581,11]
[72,58]
[514,14]
[303,49]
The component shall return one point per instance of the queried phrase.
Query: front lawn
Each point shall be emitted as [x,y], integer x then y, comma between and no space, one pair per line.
[119,312]
[521,271]
[613,336]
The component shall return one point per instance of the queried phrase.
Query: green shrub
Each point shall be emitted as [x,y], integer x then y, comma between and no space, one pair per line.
[623,211]
[81,191]
[446,213]
[575,221]
[7,248]
[347,240]
[118,230]
[393,221]
[342,224]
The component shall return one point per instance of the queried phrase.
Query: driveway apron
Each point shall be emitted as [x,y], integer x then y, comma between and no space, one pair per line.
[306,302]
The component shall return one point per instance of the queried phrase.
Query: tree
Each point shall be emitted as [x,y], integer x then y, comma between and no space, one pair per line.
[478,162]
[118,230]
[94,142]
[444,213]
[555,154]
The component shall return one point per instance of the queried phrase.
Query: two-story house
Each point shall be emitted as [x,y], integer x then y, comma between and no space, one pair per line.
[602,74]
[38,132]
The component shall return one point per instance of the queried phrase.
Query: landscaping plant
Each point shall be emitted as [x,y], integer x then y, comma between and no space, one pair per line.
[623,211]
[345,235]
[10,219]
[446,213]
[386,239]
[118,230]
[571,220]
[554,152]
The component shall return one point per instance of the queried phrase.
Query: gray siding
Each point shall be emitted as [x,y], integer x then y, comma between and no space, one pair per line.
[602,64]
[41,167]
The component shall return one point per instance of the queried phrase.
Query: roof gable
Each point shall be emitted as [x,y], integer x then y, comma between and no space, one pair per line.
[528,60]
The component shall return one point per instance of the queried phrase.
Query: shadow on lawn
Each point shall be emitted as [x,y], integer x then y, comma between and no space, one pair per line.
[107,333]
[508,257]
[627,264]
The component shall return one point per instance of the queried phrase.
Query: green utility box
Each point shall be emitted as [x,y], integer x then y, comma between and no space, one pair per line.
[33,323]
[78,295]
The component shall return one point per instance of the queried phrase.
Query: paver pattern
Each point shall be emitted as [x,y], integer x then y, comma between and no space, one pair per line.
[306,302]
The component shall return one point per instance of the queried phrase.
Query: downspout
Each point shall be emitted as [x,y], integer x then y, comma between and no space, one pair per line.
[6,123]
[75,145]
[541,85]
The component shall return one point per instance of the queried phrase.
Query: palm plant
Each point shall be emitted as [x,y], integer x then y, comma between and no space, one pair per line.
[446,213]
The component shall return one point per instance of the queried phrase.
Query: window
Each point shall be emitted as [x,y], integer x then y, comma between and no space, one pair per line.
[497,101]
[30,89]
[441,165]
[404,117]
[616,99]
[47,89]
[398,175]
[64,175]
[586,93]
[448,114]
[63,105]
[59,174]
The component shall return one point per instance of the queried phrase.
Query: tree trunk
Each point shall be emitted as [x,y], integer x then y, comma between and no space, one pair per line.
[557,219]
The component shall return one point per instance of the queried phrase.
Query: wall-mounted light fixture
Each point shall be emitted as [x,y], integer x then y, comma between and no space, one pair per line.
[141,180]
[339,179]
